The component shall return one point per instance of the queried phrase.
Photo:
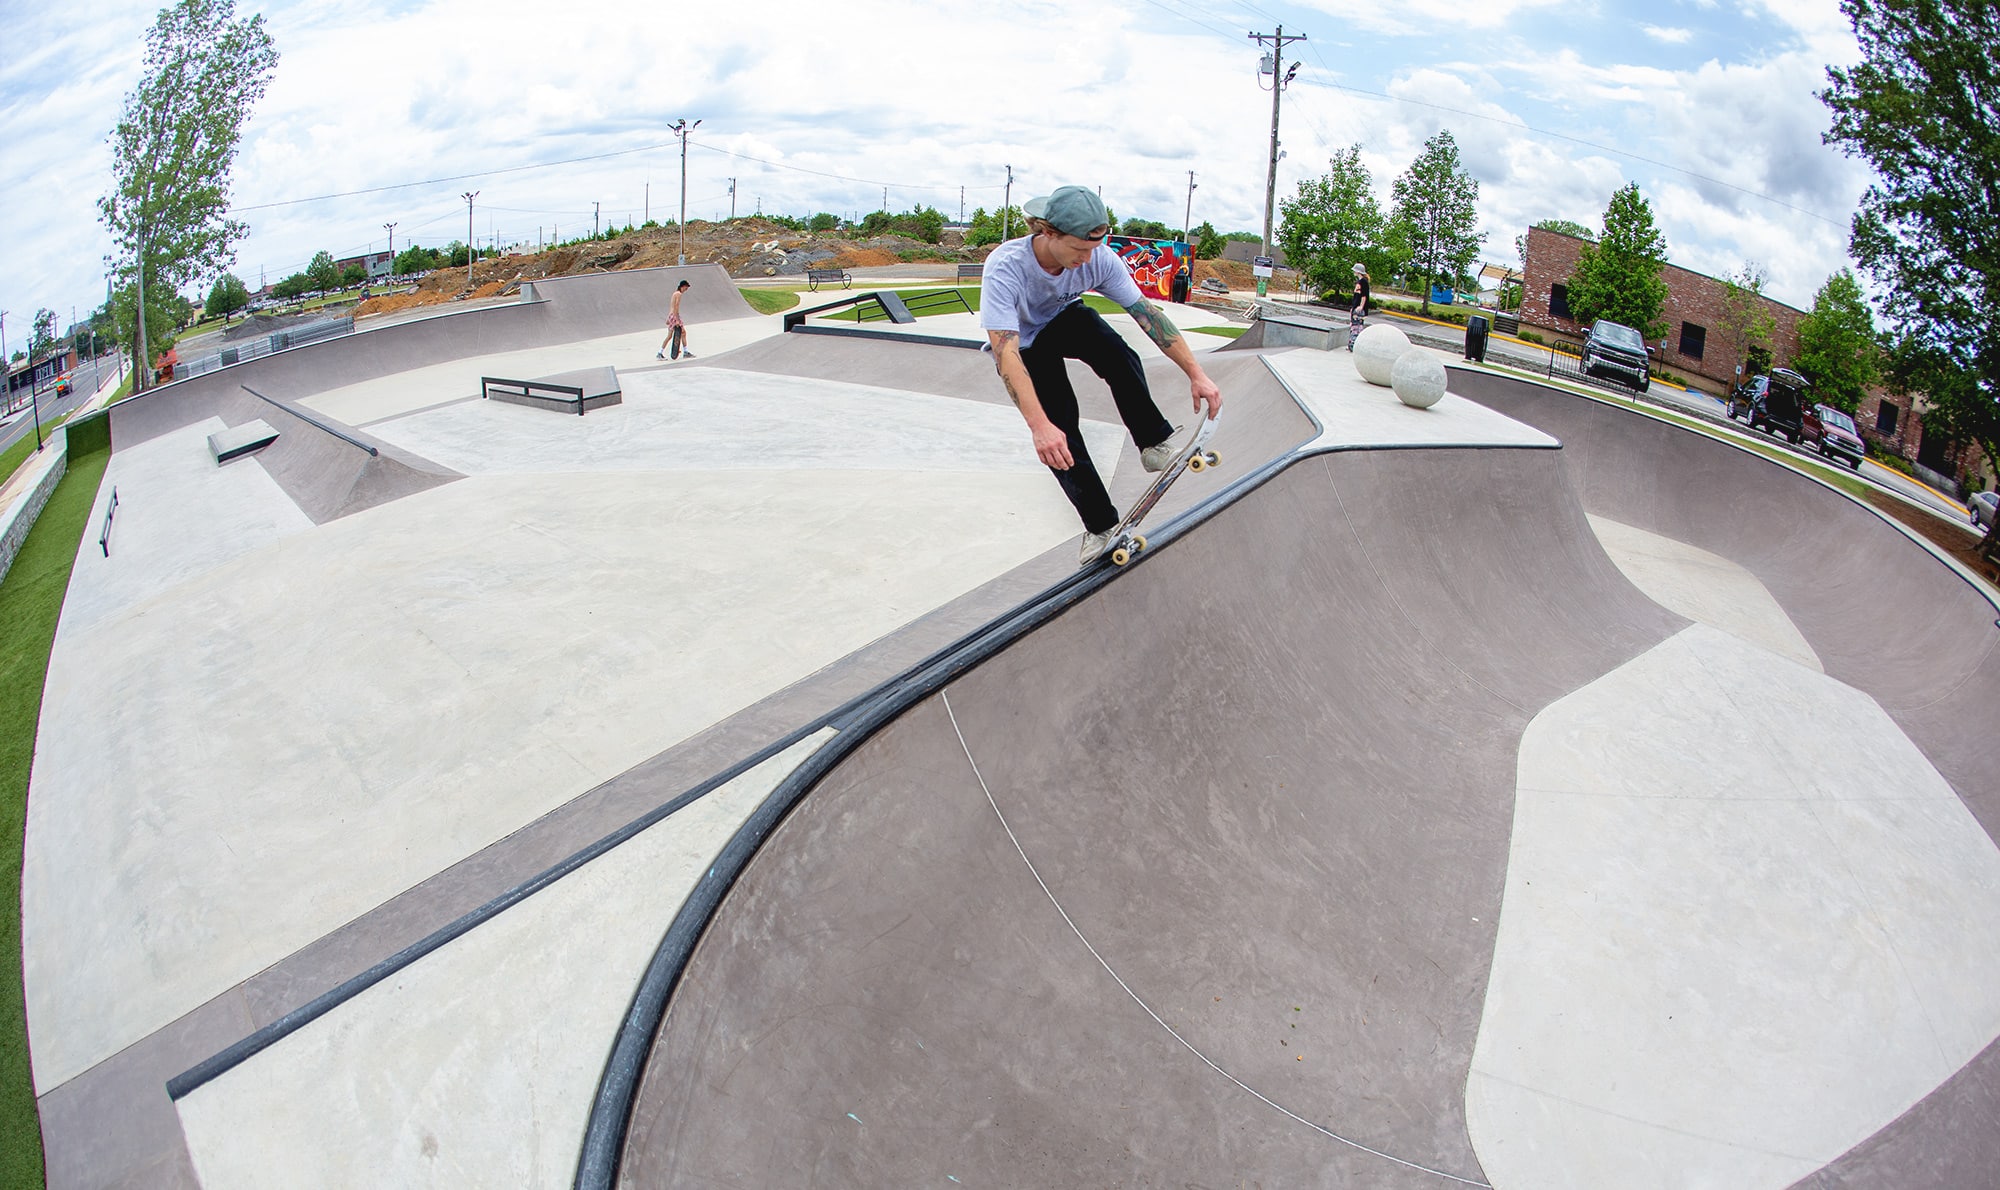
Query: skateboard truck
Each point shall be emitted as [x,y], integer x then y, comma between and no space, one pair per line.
[1126,543]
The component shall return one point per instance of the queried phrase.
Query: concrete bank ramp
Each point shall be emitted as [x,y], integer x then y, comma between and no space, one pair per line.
[1230,907]
[1379,831]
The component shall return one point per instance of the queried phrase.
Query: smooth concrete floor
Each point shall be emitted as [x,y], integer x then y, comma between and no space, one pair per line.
[1724,861]
[475,1066]
[244,757]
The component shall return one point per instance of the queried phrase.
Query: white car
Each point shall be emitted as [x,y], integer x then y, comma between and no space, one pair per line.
[1984,507]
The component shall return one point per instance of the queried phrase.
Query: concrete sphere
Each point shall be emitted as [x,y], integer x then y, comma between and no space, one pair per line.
[1418,378]
[1377,351]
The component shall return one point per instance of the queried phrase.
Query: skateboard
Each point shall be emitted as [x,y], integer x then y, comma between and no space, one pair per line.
[1125,543]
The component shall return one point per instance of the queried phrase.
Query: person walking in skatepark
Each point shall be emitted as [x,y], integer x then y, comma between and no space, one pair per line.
[676,339]
[1032,310]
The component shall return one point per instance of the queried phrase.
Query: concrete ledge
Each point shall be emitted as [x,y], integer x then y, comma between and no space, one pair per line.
[237,441]
[20,516]
[580,391]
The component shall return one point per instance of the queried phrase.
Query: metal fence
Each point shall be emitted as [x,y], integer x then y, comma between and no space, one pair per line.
[296,336]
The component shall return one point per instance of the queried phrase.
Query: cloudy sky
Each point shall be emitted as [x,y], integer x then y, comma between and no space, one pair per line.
[387,110]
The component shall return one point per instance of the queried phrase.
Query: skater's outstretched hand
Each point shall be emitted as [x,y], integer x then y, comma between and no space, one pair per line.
[1205,392]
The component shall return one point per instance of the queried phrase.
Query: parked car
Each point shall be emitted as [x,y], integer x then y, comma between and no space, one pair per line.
[1833,435]
[1618,350]
[1778,404]
[1985,507]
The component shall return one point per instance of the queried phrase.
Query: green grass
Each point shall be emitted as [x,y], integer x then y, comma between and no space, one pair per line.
[31,597]
[1227,332]
[770,301]
[969,292]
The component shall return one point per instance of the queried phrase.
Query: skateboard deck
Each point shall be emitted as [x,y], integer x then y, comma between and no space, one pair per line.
[1126,542]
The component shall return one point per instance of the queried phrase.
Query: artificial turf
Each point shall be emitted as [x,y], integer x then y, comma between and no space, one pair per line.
[31,598]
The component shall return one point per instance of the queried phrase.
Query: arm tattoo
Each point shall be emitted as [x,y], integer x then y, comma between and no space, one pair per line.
[1006,343]
[1154,323]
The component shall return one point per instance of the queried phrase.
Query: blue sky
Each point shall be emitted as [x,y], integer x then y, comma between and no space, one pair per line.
[1707,104]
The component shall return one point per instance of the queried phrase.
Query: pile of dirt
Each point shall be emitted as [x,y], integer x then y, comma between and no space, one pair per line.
[745,248]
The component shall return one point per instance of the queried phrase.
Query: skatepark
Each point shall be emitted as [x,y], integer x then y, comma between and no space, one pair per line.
[740,784]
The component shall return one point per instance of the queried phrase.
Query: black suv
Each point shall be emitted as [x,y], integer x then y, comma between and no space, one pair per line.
[1775,403]
[1619,350]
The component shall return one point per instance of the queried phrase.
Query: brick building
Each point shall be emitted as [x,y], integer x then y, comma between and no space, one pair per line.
[375,264]
[1697,349]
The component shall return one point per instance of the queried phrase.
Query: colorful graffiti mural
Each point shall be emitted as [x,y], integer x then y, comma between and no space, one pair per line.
[1153,262]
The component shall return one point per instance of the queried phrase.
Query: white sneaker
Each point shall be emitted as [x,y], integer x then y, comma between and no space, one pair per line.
[687,355]
[1093,547]
[659,355]
[1160,455]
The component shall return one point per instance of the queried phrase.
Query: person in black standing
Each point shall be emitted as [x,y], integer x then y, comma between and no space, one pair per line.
[1362,295]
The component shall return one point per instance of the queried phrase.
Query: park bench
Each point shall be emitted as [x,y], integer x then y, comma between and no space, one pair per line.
[971,271]
[816,277]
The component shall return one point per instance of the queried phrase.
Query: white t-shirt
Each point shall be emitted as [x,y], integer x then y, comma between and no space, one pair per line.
[1018,295]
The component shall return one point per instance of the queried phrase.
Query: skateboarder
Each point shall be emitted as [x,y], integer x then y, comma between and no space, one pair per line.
[676,329]
[1032,310]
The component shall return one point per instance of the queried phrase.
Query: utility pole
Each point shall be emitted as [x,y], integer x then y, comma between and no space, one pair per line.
[961,204]
[1277,41]
[681,129]
[1188,217]
[1007,203]
[885,200]
[469,253]
[732,200]
[6,367]
[649,200]
[391,229]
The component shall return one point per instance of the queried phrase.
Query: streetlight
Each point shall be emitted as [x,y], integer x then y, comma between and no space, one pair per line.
[469,253]
[391,229]
[1273,62]
[1187,217]
[681,129]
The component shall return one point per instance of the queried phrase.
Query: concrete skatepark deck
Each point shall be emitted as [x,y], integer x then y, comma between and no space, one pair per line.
[1271,857]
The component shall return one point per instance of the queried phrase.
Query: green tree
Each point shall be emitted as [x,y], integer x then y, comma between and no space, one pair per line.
[322,272]
[353,275]
[1619,277]
[1332,223]
[456,254]
[1436,208]
[1920,108]
[291,287]
[1838,350]
[1208,245]
[1146,229]
[824,221]
[174,145]
[986,229]
[417,260]
[42,338]
[1747,323]
[225,297]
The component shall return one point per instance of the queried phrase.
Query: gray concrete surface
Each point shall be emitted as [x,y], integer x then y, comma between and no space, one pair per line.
[1207,876]
[1294,813]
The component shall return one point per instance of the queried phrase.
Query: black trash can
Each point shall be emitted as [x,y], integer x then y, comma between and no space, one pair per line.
[1475,338]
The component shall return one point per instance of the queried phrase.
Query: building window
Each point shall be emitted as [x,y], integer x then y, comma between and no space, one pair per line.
[1885,420]
[1559,301]
[1693,338]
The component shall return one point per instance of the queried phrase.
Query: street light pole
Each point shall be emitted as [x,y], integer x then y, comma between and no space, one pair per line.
[1188,216]
[1278,81]
[681,129]
[470,255]
[1007,203]
[391,229]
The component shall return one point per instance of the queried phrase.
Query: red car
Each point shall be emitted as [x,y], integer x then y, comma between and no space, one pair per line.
[1833,435]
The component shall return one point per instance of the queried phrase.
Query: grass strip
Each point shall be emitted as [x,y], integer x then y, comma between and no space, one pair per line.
[1227,332]
[770,301]
[31,598]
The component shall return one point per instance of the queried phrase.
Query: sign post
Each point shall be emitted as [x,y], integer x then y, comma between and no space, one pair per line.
[1261,269]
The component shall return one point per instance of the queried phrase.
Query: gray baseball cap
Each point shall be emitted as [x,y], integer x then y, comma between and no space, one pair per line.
[1073,209]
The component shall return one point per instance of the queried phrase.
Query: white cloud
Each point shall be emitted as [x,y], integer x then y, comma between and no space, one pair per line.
[1666,35]
[374,93]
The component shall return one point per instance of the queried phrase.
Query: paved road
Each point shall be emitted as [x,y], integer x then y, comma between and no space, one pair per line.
[52,408]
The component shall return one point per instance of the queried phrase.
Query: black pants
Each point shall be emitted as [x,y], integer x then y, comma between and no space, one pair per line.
[1078,333]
